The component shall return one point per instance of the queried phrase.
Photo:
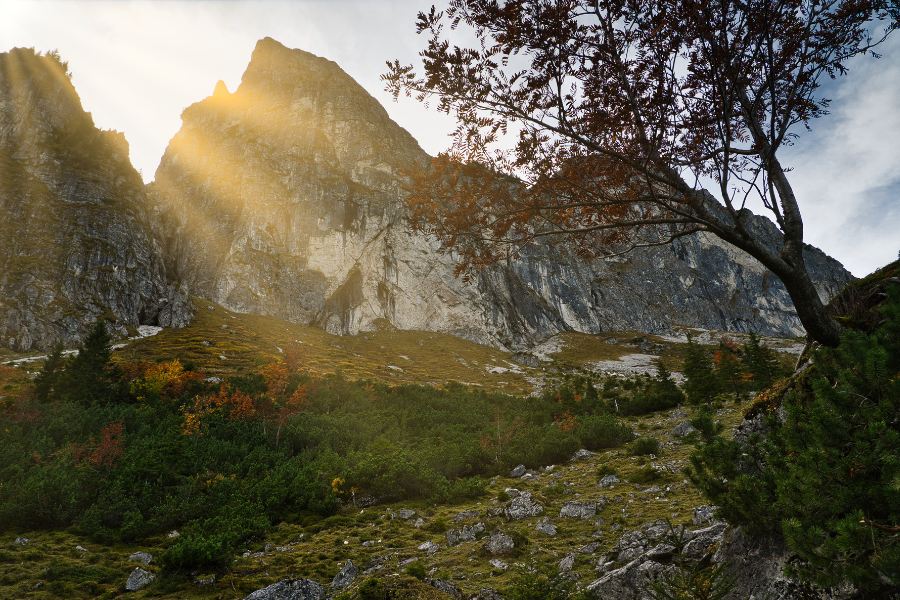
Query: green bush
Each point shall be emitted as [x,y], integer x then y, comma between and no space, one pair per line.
[372,589]
[644,475]
[418,570]
[644,446]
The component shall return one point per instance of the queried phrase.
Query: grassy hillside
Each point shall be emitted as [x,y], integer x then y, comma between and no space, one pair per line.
[268,467]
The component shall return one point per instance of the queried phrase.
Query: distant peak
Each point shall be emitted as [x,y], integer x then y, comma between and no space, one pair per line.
[221,90]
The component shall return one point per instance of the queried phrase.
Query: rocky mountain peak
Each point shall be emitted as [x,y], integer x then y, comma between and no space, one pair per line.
[221,91]
[285,199]
[75,232]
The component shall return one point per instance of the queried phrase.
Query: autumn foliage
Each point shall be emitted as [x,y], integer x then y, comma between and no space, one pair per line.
[594,123]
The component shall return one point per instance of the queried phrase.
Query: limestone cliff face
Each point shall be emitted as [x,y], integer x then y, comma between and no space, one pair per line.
[284,198]
[75,234]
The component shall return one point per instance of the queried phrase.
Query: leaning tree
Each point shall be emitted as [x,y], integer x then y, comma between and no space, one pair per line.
[618,111]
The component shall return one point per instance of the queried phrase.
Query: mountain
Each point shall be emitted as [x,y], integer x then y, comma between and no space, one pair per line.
[284,198]
[76,242]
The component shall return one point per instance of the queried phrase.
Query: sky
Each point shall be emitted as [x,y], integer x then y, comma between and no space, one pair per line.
[138,64]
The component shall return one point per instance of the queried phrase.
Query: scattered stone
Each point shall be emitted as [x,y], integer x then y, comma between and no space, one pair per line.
[21,541]
[346,576]
[703,540]
[172,535]
[419,523]
[138,580]
[609,481]
[81,548]
[487,594]
[546,527]
[142,557]
[406,514]
[512,492]
[589,548]
[498,564]
[567,563]
[575,509]
[611,340]
[449,588]
[499,543]
[408,561]
[582,454]
[466,514]
[522,507]
[628,582]
[291,589]
[703,514]
[429,547]
[518,471]
[466,534]
[683,429]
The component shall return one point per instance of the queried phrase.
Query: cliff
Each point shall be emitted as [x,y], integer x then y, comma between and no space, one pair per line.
[284,198]
[75,232]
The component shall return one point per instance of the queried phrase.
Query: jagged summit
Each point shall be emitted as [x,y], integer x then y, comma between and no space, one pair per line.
[285,199]
[221,90]
[75,235]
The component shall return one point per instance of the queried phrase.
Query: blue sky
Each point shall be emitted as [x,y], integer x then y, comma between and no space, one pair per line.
[137,65]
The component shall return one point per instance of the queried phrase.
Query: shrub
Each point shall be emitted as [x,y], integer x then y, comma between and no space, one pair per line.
[644,475]
[372,589]
[644,446]
[417,570]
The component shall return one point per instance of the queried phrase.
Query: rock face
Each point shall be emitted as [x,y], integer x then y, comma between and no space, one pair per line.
[76,239]
[284,199]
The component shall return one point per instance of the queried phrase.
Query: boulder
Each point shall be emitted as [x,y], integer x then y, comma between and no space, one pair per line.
[139,579]
[682,429]
[346,576]
[406,514]
[518,471]
[142,557]
[703,514]
[581,454]
[630,582]
[578,510]
[291,589]
[546,527]
[466,514]
[499,543]
[608,481]
[449,588]
[522,507]
[466,534]
[567,563]
[498,564]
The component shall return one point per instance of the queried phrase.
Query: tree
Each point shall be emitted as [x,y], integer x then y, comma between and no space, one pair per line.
[45,384]
[826,476]
[761,362]
[88,377]
[701,384]
[620,108]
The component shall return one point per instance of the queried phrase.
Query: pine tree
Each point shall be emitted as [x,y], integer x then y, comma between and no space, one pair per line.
[761,362]
[828,475]
[45,384]
[88,377]
[701,385]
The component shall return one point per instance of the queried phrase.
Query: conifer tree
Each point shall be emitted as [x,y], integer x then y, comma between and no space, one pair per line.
[761,362]
[88,378]
[45,384]
[701,384]
[827,476]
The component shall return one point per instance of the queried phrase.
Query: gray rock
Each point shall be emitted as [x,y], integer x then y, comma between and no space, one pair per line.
[466,514]
[575,509]
[703,514]
[291,589]
[758,563]
[429,547]
[522,507]
[703,540]
[526,359]
[682,429]
[498,564]
[582,454]
[487,594]
[449,588]
[630,582]
[139,579]
[546,527]
[406,514]
[499,543]
[21,541]
[465,534]
[419,523]
[608,481]
[567,563]
[346,576]
[142,557]
[172,535]
[518,471]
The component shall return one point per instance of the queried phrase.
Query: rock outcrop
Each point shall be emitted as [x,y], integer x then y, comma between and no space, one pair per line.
[283,198]
[76,241]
